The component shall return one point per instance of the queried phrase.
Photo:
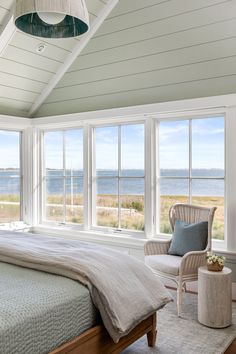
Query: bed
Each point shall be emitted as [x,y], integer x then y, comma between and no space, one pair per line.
[42,312]
[97,340]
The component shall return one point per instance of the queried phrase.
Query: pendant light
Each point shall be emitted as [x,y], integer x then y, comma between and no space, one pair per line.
[52,18]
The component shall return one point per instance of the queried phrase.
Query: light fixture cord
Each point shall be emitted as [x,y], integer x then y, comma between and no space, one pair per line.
[73,19]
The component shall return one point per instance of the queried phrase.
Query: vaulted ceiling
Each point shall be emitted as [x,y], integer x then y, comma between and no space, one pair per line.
[144,52]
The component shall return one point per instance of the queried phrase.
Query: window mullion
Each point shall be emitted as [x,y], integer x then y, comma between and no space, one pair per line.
[86,178]
[151,137]
[22,201]
[157,199]
[93,174]
[19,187]
[44,179]
[64,178]
[113,215]
[190,161]
[119,177]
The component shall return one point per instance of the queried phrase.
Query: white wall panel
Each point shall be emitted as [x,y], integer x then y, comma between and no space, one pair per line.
[180,58]
[158,44]
[3,13]
[173,25]
[14,68]
[7,4]
[17,94]
[199,88]
[152,79]
[160,12]
[30,44]
[145,52]
[20,83]
[32,59]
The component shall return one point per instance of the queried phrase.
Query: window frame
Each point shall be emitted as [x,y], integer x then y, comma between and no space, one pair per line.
[42,193]
[93,179]
[88,160]
[21,173]
[150,120]
[219,244]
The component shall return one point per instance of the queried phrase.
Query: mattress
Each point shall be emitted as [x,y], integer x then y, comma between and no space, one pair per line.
[40,311]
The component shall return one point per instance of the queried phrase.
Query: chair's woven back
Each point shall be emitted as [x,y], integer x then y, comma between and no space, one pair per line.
[192,214]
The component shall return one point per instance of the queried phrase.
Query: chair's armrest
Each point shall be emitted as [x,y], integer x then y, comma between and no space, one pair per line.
[191,261]
[152,247]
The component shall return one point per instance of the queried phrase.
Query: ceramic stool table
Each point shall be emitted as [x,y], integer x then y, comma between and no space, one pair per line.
[215,297]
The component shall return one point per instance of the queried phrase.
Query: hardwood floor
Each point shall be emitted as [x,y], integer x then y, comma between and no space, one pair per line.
[231,349]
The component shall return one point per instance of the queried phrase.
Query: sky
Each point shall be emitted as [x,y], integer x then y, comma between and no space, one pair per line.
[73,149]
[132,147]
[9,149]
[207,146]
[132,153]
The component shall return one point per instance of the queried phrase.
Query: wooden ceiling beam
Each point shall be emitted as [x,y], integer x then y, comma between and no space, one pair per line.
[96,24]
[7,32]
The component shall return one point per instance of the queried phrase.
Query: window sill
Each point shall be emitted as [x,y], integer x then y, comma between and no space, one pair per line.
[106,238]
[114,239]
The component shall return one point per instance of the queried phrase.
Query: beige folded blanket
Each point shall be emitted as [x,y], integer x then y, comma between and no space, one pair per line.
[123,289]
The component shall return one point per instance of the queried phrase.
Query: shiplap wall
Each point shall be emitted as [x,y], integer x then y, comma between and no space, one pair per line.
[152,51]
[24,72]
[5,6]
[145,52]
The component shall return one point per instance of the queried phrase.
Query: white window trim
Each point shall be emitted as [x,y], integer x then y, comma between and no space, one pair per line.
[92,181]
[21,125]
[88,127]
[151,138]
[230,192]
[224,104]
[41,185]
[216,244]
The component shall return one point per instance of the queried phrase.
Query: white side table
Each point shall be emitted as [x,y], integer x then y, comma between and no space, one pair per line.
[215,297]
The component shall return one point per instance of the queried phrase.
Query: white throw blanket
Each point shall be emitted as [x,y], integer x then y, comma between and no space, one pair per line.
[123,289]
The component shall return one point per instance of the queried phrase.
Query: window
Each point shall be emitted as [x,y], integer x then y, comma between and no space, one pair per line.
[63,176]
[106,186]
[191,161]
[10,176]
[118,181]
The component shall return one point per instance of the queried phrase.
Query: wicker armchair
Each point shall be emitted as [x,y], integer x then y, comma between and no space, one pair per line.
[176,268]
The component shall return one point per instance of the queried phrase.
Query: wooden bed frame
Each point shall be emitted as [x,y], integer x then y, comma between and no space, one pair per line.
[97,341]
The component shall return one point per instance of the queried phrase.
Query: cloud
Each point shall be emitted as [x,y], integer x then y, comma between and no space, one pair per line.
[203,131]
[107,135]
[168,133]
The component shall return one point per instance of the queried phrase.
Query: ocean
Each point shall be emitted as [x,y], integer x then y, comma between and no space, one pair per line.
[132,183]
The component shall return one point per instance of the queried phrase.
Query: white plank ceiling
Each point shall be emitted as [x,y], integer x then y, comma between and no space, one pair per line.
[145,52]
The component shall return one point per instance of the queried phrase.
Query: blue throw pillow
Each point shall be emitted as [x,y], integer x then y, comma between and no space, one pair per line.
[188,237]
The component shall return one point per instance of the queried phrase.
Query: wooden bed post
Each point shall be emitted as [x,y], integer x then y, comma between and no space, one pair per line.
[152,335]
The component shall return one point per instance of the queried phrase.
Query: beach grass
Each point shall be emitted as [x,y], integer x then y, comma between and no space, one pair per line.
[132,210]
[10,198]
[9,212]
[218,224]
[9,207]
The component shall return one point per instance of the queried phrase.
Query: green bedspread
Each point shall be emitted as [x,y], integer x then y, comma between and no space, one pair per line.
[40,311]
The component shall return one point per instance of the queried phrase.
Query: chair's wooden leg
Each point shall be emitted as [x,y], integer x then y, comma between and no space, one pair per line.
[179,298]
[184,289]
[152,335]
